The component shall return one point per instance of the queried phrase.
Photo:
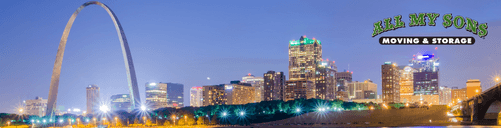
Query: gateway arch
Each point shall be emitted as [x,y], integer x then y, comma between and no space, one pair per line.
[129,66]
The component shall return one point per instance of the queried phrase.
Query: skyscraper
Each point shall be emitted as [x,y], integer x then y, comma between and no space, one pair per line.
[196,97]
[407,84]
[473,88]
[304,56]
[273,88]
[156,95]
[175,93]
[326,83]
[390,76]
[299,89]
[257,83]
[92,99]
[444,95]
[121,102]
[342,80]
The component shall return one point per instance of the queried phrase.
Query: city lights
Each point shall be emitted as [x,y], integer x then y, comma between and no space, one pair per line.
[143,108]
[104,108]
[242,113]
[298,110]
[224,114]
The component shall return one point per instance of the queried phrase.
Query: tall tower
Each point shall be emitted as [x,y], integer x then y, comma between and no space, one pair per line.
[407,84]
[175,93]
[156,95]
[390,76]
[257,83]
[304,56]
[326,80]
[273,88]
[121,102]
[92,98]
[196,97]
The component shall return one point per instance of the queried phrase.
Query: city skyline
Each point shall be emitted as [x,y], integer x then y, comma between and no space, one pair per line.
[27,62]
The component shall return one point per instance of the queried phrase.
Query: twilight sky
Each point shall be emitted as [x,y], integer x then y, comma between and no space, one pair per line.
[188,41]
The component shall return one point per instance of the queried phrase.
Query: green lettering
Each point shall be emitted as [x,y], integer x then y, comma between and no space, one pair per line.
[377,28]
[471,25]
[483,30]
[387,24]
[398,22]
[447,20]
[417,21]
[456,22]
[432,17]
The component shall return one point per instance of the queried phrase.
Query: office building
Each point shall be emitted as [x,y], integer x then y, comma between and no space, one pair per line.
[304,56]
[426,83]
[257,83]
[175,95]
[473,88]
[357,89]
[92,99]
[274,84]
[156,95]
[458,94]
[390,75]
[213,95]
[369,94]
[299,89]
[37,107]
[121,102]
[445,95]
[325,85]
[237,93]
[426,62]
[406,83]
[196,96]
[342,80]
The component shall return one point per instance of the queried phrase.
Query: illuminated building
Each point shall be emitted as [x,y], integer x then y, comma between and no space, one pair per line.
[299,89]
[175,93]
[426,83]
[273,88]
[36,107]
[390,82]
[407,84]
[92,99]
[304,56]
[257,83]
[196,97]
[156,95]
[444,94]
[357,89]
[236,94]
[424,62]
[121,102]
[473,88]
[342,80]
[326,80]
[213,95]
[369,94]
[458,94]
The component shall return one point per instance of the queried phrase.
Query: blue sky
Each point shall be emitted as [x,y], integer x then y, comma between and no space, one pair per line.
[188,41]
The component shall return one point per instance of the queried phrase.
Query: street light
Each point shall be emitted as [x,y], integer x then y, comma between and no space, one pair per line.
[298,110]
[8,123]
[94,121]
[224,114]
[143,108]
[144,120]
[242,113]
[116,121]
[174,118]
[104,108]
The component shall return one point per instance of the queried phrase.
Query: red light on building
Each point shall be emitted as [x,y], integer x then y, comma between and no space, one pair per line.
[333,61]
[249,74]
[436,48]
[327,59]
[348,71]
[174,104]
[351,72]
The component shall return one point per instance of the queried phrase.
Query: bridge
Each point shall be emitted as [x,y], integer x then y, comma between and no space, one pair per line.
[483,108]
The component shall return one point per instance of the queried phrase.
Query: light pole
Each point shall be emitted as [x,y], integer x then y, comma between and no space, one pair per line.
[104,121]
[185,121]
[78,121]
[144,120]
[8,123]
[116,121]
[174,119]
[95,121]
